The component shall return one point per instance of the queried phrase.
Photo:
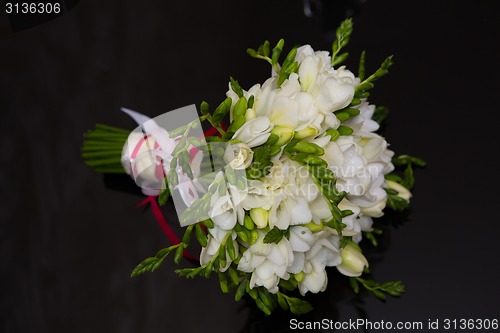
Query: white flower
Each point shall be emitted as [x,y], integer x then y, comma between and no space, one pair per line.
[238,156]
[363,125]
[334,90]
[268,263]
[257,196]
[353,261]
[254,132]
[223,211]
[292,189]
[324,252]
[311,64]
[215,237]
[360,165]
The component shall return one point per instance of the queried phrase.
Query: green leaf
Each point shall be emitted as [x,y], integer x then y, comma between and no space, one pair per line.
[153,263]
[235,86]
[298,306]
[342,35]
[274,236]
[340,59]
[391,288]
[383,70]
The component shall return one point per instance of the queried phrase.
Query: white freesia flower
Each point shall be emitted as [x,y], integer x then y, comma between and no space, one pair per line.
[268,263]
[238,156]
[292,189]
[334,90]
[258,195]
[363,125]
[324,252]
[223,211]
[360,165]
[254,132]
[215,238]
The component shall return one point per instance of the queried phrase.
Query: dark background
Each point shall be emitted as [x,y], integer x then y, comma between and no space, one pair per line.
[68,242]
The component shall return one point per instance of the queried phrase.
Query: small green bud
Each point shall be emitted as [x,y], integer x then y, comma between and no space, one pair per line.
[250,114]
[313,226]
[334,134]
[249,223]
[342,116]
[284,133]
[306,132]
[344,130]
[352,111]
[299,277]
[223,283]
[260,217]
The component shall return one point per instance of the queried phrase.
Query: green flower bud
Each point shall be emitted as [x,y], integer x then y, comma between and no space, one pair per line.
[313,226]
[284,133]
[249,223]
[299,277]
[306,132]
[260,216]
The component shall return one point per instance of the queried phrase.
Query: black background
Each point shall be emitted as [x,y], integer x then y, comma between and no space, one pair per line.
[68,242]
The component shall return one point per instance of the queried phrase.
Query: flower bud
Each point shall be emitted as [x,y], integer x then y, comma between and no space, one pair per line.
[260,217]
[250,114]
[299,277]
[306,132]
[284,133]
[402,191]
[353,261]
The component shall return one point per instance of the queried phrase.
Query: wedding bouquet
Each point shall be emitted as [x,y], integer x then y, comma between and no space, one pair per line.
[288,188]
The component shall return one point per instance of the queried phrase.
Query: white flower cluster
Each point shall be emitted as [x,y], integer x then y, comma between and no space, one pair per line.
[287,197]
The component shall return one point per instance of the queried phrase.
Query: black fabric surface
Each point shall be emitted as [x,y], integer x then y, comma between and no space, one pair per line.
[69,238]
